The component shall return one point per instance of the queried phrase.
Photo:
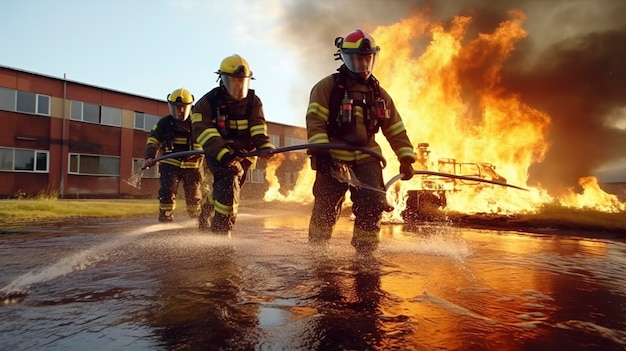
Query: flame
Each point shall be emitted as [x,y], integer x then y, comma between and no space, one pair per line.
[592,197]
[301,193]
[450,96]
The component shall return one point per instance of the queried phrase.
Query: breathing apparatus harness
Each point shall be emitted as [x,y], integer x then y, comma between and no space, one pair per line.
[220,113]
[170,134]
[340,117]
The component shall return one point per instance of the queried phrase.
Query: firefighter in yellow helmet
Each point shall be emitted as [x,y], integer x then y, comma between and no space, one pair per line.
[170,134]
[351,107]
[226,121]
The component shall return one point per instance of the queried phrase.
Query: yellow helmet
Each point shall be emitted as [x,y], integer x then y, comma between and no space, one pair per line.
[180,102]
[235,65]
[235,75]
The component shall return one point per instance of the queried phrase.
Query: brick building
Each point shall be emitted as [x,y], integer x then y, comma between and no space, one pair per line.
[74,140]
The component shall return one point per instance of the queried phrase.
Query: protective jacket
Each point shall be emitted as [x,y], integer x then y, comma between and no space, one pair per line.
[322,127]
[223,127]
[172,135]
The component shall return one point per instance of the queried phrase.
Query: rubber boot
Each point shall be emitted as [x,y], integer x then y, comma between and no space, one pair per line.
[206,214]
[165,216]
[364,241]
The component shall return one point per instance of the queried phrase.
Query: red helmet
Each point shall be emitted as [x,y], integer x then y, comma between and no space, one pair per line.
[358,51]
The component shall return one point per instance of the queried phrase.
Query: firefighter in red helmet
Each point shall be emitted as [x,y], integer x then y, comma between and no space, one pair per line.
[171,134]
[351,107]
[226,121]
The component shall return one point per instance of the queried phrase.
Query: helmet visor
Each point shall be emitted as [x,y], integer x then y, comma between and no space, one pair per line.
[236,86]
[179,110]
[359,62]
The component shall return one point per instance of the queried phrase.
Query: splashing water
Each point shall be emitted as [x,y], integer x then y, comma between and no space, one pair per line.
[135,179]
[18,289]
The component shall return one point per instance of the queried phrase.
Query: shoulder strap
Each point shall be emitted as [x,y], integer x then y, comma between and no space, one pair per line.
[214,97]
[336,94]
[251,97]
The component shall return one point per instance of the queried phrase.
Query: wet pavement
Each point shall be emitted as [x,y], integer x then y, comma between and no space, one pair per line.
[140,285]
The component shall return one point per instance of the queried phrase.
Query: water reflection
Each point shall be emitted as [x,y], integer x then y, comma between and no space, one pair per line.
[441,287]
[199,303]
[348,303]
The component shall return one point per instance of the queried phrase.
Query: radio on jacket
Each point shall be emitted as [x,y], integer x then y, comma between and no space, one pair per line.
[346,110]
[380,109]
[220,120]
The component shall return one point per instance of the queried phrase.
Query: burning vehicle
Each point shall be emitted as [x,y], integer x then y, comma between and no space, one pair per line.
[434,179]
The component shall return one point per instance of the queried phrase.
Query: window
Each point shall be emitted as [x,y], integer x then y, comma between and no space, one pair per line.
[23,160]
[86,112]
[152,172]
[82,111]
[294,141]
[289,141]
[145,121]
[76,110]
[255,176]
[111,116]
[94,165]
[26,102]
[23,101]
[275,139]
[91,113]
[43,105]
[7,99]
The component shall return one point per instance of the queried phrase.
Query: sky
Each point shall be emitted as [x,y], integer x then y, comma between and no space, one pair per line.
[151,47]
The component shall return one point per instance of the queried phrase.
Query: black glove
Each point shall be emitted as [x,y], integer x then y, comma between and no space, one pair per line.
[227,158]
[147,163]
[321,160]
[267,155]
[406,168]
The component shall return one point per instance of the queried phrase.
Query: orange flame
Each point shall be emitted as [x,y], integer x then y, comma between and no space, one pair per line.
[466,124]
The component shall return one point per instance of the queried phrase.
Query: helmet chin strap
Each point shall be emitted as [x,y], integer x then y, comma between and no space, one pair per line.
[357,76]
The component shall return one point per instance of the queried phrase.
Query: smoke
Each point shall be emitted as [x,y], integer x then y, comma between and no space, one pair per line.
[571,66]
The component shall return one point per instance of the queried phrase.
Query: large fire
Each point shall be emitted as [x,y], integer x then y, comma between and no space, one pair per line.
[478,123]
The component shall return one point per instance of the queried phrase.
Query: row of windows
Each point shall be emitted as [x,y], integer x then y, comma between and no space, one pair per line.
[27,102]
[26,160]
[23,101]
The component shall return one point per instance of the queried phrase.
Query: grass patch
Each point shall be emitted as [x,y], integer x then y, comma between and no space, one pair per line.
[14,211]
[30,209]
[556,215]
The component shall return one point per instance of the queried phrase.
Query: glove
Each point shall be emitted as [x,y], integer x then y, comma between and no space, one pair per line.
[321,160]
[228,158]
[267,155]
[406,168]
[193,158]
[147,163]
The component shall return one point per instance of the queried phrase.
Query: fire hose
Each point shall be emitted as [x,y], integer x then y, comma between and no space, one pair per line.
[284,149]
[454,176]
[341,147]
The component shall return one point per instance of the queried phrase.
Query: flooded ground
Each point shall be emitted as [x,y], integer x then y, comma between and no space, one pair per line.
[139,285]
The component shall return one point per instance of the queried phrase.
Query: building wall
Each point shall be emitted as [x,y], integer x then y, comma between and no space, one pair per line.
[70,143]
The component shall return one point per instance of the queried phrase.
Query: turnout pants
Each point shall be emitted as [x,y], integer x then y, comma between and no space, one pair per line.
[219,211]
[368,206]
[171,176]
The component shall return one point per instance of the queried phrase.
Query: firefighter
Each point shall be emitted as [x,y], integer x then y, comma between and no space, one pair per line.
[350,107]
[171,134]
[226,121]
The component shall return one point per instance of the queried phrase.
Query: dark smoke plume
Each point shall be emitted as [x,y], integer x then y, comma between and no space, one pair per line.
[572,66]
